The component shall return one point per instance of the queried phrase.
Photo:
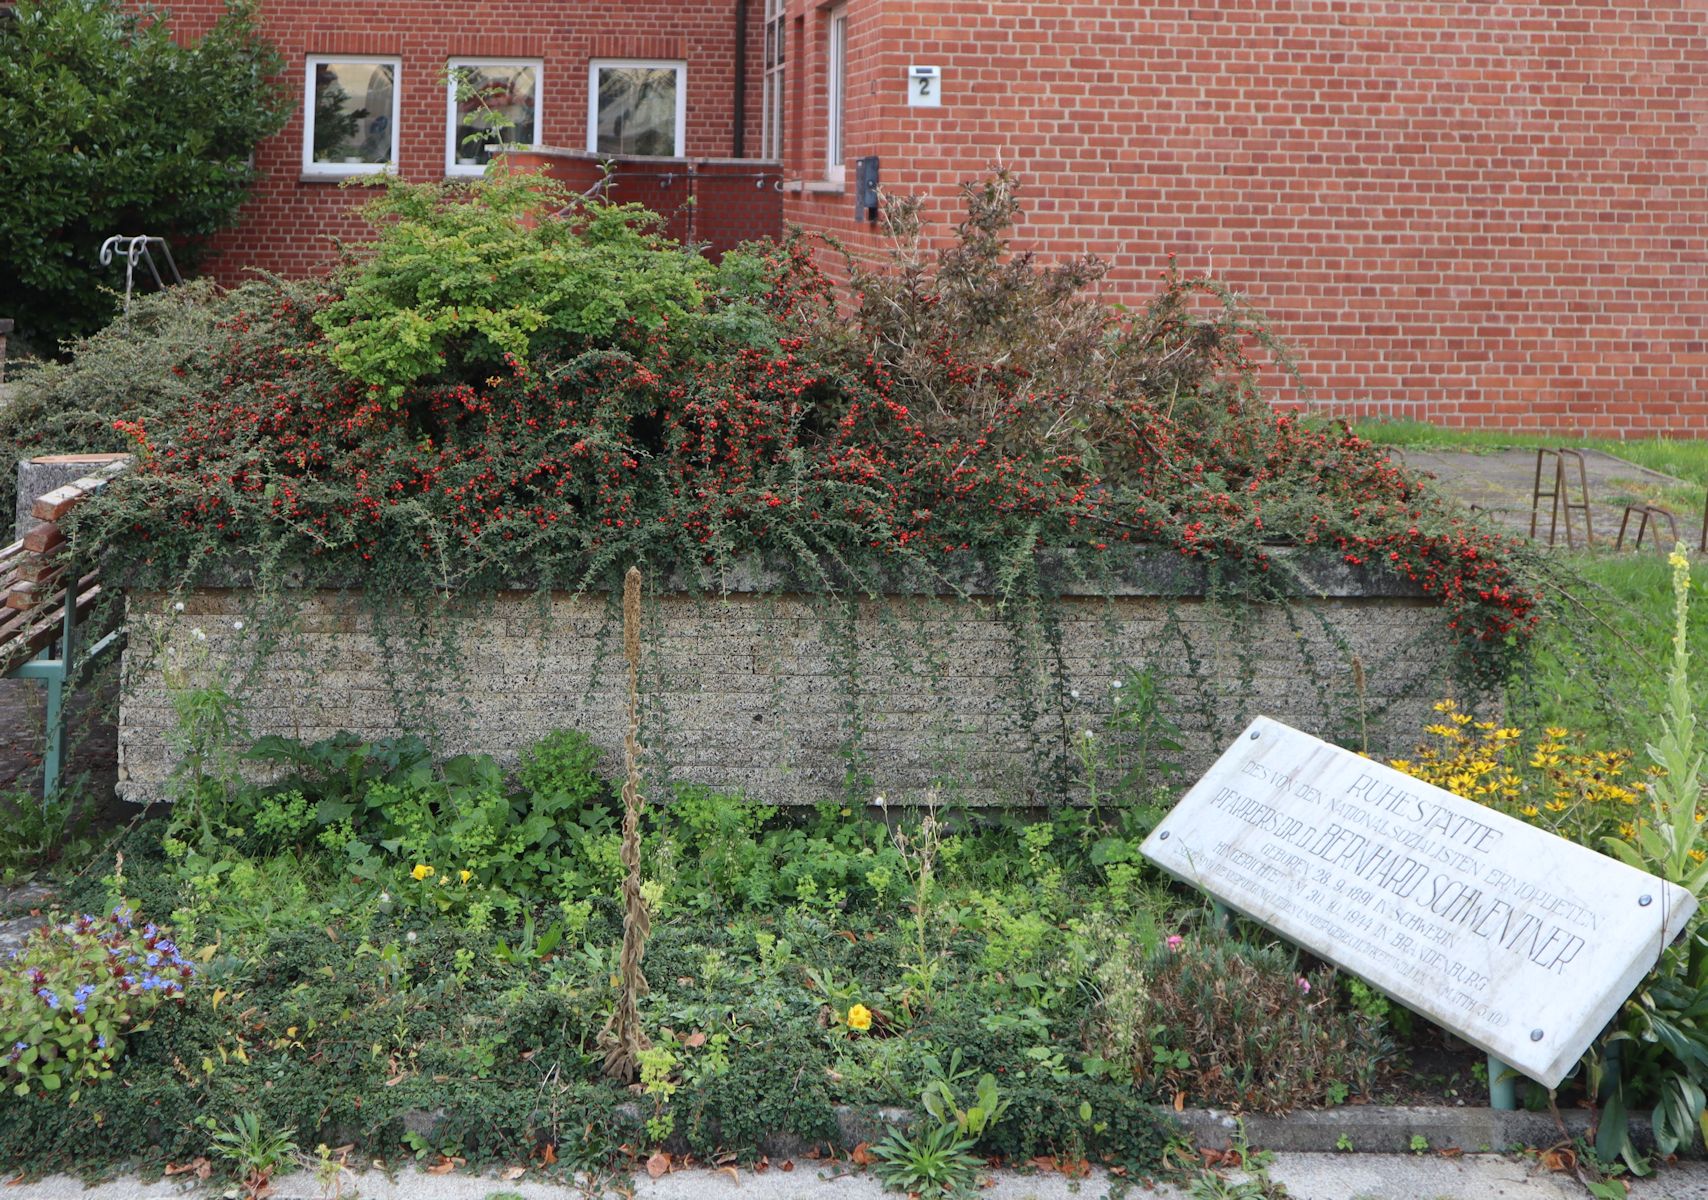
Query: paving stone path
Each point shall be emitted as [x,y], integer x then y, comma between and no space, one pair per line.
[1306,1177]
[1500,484]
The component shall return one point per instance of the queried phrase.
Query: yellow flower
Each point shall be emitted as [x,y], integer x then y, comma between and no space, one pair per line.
[421,871]
[465,875]
[1677,561]
[1555,732]
[1529,810]
[1444,706]
[859,1017]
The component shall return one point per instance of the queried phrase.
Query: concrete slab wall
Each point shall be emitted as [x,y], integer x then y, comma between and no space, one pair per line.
[789,702]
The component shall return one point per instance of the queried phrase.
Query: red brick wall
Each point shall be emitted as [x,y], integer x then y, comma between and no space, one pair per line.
[719,203]
[288,225]
[1476,213]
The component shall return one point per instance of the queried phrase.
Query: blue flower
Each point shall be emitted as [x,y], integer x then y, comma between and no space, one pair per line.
[101,1041]
[18,1049]
[49,999]
[153,960]
[84,992]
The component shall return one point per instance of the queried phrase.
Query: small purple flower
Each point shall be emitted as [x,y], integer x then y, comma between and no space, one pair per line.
[1304,985]
[18,1049]
[1174,941]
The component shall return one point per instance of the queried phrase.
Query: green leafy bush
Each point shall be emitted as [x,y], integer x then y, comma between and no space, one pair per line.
[449,836]
[464,282]
[73,994]
[109,124]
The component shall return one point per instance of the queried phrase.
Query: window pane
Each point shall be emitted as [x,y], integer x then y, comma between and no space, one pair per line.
[637,110]
[494,104]
[838,83]
[352,112]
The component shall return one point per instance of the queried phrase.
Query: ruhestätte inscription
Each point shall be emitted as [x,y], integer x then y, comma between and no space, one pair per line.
[1522,943]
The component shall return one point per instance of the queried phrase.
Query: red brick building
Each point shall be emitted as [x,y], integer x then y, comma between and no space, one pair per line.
[1482,214]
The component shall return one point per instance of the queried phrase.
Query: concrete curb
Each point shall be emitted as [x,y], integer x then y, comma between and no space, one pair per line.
[1386,1130]
[1382,1129]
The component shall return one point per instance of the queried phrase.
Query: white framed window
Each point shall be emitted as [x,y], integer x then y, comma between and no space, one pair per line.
[836,94]
[771,104]
[488,101]
[637,107]
[351,106]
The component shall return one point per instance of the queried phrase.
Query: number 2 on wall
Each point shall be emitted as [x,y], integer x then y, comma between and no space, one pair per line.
[923,90]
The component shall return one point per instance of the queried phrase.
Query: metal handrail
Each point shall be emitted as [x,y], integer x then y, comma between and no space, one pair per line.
[138,248]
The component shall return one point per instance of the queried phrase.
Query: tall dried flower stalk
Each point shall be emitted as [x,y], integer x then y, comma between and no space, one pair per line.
[623,1039]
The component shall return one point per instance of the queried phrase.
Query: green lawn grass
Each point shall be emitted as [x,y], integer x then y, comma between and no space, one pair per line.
[1600,665]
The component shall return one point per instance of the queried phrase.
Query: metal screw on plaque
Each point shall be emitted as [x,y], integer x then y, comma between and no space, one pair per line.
[1163,836]
[1254,735]
[1535,1035]
[1645,901]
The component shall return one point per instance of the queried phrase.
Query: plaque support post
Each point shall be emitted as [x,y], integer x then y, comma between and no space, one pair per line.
[1503,1086]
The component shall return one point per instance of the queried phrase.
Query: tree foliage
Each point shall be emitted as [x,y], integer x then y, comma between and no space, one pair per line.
[109,125]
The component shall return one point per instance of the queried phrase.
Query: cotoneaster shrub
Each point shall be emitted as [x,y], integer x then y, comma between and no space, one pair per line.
[708,414]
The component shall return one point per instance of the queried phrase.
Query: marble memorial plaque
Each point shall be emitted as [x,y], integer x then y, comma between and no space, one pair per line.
[1518,941]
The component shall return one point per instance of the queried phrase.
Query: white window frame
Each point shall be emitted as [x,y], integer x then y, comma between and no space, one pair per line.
[776,70]
[452,65]
[836,94]
[680,66]
[346,170]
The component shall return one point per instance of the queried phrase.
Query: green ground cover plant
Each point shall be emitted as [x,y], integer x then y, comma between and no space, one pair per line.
[352,973]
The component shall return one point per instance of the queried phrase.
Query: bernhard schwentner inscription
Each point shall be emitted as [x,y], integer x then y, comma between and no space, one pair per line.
[1522,943]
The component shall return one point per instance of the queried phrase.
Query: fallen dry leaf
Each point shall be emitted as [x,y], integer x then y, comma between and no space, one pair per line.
[512,1174]
[1451,1152]
[658,1165]
[762,1166]
[734,1174]
[788,1164]
[200,1166]
[548,1153]
[695,1040]
[862,1155]
[1560,1158]
[445,1165]
[1180,1102]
